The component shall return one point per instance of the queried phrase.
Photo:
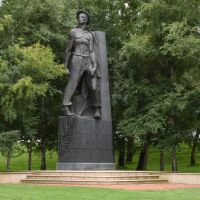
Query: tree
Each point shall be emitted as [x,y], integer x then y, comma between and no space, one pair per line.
[9,147]
[130,150]
[24,91]
[43,21]
[156,60]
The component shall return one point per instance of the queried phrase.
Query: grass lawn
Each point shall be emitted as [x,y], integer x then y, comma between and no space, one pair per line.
[29,192]
[20,163]
[183,158]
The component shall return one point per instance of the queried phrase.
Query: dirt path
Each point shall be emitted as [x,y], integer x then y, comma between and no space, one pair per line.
[138,187]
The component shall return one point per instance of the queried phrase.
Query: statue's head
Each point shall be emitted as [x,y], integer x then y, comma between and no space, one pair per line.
[83,17]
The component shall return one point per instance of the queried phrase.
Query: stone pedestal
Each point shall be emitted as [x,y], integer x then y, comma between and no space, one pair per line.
[86,143]
[88,147]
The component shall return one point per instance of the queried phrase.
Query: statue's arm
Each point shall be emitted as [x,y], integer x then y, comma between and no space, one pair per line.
[68,51]
[92,56]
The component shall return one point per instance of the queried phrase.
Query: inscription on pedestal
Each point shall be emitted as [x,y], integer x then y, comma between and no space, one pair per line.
[66,133]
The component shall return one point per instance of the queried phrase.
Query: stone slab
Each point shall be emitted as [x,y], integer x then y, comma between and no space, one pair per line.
[85,166]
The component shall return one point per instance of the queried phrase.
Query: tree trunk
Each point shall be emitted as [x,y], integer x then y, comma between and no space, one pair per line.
[162,164]
[122,148]
[43,155]
[142,163]
[8,158]
[193,155]
[194,148]
[174,160]
[30,150]
[129,153]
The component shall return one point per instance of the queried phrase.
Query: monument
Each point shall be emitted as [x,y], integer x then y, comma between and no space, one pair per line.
[85,127]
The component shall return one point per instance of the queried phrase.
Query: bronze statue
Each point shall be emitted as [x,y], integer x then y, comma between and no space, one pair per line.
[85,143]
[81,61]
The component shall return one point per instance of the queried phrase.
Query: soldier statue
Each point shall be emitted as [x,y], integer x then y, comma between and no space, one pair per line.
[80,59]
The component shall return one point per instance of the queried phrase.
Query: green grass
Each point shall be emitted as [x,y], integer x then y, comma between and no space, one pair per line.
[20,163]
[29,192]
[183,157]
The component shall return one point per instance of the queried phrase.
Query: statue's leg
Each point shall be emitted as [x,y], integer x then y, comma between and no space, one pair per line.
[75,76]
[95,94]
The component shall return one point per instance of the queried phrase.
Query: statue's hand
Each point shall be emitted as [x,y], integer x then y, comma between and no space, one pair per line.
[92,70]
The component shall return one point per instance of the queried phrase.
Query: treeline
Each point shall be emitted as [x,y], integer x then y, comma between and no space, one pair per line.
[156,88]
[154,60]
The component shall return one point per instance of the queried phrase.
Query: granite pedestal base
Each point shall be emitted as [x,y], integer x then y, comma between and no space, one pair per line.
[85,144]
[85,166]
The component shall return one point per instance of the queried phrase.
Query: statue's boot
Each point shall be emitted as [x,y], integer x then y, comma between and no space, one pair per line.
[66,111]
[97,114]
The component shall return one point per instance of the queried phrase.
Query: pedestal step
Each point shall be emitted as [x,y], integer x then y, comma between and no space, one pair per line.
[93,178]
[93,173]
[83,182]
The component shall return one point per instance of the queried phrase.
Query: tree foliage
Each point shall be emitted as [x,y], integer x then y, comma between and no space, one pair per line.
[9,146]
[159,63]
[153,56]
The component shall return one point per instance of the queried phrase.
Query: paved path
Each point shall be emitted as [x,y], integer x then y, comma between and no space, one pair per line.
[139,187]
